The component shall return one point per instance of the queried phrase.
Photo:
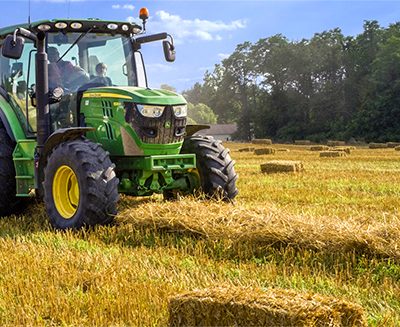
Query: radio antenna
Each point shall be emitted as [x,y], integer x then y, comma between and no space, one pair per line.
[29,12]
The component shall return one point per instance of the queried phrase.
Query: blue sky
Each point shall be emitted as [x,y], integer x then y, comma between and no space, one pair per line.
[207,31]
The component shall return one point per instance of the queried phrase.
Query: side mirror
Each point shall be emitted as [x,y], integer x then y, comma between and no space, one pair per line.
[13,48]
[169,51]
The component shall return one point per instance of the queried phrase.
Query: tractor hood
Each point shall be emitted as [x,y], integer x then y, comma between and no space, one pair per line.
[137,95]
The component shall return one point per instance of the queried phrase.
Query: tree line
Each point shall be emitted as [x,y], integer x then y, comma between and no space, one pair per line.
[331,86]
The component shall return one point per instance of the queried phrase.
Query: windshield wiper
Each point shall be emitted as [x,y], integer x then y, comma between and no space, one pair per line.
[73,44]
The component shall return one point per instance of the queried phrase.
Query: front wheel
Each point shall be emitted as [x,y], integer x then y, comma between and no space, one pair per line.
[80,186]
[215,171]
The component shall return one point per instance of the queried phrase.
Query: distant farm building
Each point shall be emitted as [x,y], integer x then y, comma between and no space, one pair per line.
[223,132]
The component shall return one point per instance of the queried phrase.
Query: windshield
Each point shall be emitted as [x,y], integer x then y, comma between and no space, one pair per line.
[95,59]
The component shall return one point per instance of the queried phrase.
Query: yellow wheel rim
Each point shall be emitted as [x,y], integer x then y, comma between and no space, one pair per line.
[65,192]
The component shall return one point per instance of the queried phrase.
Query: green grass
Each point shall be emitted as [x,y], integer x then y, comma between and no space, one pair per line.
[333,229]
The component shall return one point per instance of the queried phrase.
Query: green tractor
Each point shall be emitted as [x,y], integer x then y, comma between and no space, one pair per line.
[79,124]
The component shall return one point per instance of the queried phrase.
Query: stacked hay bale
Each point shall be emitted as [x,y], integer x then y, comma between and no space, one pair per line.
[282,166]
[264,151]
[302,142]
[392,144]
[336,143]
[332,154]
[251,307]
[377,145]
[248,149]
[319,148]
[262,141]
[346,149]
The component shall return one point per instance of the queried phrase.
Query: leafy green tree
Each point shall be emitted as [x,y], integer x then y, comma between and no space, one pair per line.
[201,114]
[329,86]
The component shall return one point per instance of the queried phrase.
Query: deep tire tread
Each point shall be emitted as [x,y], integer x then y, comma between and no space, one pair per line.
[215,166]
[97,182]
[8,200]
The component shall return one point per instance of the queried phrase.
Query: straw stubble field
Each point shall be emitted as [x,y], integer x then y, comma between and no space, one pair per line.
[333,229]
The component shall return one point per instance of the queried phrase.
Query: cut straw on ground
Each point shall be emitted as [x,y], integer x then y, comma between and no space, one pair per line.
[250,231]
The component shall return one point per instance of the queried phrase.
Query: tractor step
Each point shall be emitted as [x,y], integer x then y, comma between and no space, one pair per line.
[23,157]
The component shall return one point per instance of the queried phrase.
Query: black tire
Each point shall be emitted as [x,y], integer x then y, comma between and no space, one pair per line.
[97,183]
[214,165]
[8,201]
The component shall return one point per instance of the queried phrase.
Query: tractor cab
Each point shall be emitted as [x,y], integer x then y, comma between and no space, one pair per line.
[81,55]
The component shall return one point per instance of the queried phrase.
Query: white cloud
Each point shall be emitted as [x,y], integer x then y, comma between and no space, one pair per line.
[197,28]
[126,7]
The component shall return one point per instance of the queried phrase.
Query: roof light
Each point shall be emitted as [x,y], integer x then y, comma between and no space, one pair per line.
[112,26]
[44,27]
[136,30]
[61,25]
[144,13]
[76,25]
[125,28]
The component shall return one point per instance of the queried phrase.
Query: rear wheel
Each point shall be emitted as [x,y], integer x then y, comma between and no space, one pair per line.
[215,172]
[8,200]
[80,186]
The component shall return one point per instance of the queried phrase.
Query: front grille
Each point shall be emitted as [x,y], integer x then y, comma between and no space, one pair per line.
[162,130]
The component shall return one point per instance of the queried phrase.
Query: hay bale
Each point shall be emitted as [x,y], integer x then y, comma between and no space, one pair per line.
[392,144]
[346,149]
[319,148]
[397,148]
[302,142]
[377,145]
[262,141]
[282,166]
[252,307]
[264,151]
[282,150]
[249,149]
[335,143]
[332,154]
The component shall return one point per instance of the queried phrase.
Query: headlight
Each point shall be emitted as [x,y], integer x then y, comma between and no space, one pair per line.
[150,111]
[180,111]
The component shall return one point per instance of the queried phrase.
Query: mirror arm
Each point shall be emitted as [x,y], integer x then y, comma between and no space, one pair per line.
[25,33]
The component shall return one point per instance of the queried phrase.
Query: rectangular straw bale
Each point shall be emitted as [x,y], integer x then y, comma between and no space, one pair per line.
[302,142]
[282,150]
[392,144]
[253,307]
[377,145]
[262,141]
[319,148]
[335,143]
[346,149]
[249,149]
[397,148]
[264,151]
[282,166]
[332,154]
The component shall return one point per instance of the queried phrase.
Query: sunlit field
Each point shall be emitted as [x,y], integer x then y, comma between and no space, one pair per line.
[333,229]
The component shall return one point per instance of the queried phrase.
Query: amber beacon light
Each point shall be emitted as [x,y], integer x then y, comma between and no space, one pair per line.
[144,13]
